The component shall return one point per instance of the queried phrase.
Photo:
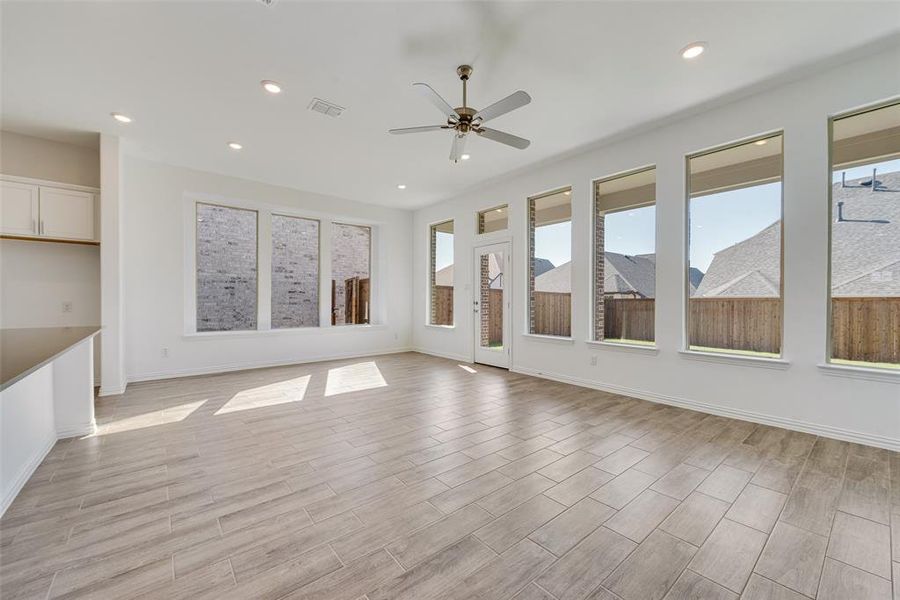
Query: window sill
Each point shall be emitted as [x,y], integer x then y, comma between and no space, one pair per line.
[737,359]
[432,326]
[870,374]
[302,331]
[636,348]
[549,338]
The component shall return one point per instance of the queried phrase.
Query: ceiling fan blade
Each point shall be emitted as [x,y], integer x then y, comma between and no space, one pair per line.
[432,96]
[501,107]
[417,129]
[503,137]
[456,150]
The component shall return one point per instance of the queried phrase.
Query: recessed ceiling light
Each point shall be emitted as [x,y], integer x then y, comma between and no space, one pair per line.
[466,156]
[401,186]
[761,142]
[234,145]
[500,210]
[121,118]
[693,50]
[273,87]
[568,192]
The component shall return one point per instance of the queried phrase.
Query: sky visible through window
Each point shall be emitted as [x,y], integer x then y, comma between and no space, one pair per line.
[717,222]
[722,220]
[554,242]
[443,253]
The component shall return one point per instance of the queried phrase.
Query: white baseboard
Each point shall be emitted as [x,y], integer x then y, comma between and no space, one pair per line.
[112,390]
[457,357]
[81,431]
[245,366]
[25,474]
[838,433]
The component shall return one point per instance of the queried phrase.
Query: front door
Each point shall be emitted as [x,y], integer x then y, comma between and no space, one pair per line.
[492,309]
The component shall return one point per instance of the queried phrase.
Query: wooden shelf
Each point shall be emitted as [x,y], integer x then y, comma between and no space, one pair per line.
[25,238]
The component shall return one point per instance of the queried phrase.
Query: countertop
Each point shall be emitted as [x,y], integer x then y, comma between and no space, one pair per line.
[24,351]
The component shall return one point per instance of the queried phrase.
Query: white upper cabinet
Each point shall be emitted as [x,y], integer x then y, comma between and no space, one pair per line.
[18,208]
[53,211]
[67,214]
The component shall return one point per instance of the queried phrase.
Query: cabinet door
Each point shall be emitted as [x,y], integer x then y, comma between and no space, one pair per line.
[67,214]
[18,208]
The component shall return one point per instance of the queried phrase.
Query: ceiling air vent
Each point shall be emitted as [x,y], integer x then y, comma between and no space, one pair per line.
[326,108]
[267,2]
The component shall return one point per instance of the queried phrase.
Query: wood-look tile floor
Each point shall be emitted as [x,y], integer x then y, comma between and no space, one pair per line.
[408,476]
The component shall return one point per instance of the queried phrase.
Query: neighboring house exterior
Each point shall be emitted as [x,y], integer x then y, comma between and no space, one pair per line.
[624,277]
[865,248]
[444,277]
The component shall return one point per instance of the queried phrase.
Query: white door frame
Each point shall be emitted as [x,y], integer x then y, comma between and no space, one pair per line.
[498,357]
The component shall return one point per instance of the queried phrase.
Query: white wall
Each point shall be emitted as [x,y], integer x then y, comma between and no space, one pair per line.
[154,237]
[799,395]
[28,156]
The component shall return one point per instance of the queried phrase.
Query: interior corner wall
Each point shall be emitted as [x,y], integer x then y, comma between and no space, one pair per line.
[154,237]
[802,396]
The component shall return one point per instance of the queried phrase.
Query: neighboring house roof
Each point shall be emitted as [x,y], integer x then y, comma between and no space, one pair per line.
[445,276]
[541,266]
[558,279]
[748,268]
[865,248]
[625,274]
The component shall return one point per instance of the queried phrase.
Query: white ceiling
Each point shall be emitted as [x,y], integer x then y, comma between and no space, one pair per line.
[189,72]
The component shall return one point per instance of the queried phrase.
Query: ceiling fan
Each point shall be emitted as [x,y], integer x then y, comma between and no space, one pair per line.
[465,119]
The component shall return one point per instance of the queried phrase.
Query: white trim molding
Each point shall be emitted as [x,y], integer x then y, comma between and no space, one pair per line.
[838,433]
[837,370]
[737,359]
[447,355]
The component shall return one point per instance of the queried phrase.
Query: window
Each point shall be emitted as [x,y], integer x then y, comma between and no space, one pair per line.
[734,277]
[226,268]
[351,251]
[865,238]
[295,272]
[625,257]
[493,219]
[550,264]
[441,274]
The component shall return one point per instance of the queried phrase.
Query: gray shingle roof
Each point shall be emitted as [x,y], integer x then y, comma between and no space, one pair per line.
[865,248]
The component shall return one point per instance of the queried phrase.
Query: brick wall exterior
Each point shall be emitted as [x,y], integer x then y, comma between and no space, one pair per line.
[432,268]
[295,272]
[350,257]
[531,226]
[226,268]
[599,276]
[484,300]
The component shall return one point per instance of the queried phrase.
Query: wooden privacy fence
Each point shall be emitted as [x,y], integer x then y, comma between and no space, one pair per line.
[752,324]
[356,300]
[553,313]
[866,329]
[629,318]
[442,305]
[863,328]
[443,311]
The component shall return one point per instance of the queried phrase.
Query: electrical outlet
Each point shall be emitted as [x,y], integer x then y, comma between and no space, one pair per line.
[67,306]
[165,353]
[594,360]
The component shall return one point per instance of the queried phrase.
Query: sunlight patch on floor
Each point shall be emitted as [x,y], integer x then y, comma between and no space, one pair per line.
[467,369]
[354,378]
[173,414]
[273,394]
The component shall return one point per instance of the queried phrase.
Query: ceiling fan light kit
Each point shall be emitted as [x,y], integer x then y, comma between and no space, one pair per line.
[464,119]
